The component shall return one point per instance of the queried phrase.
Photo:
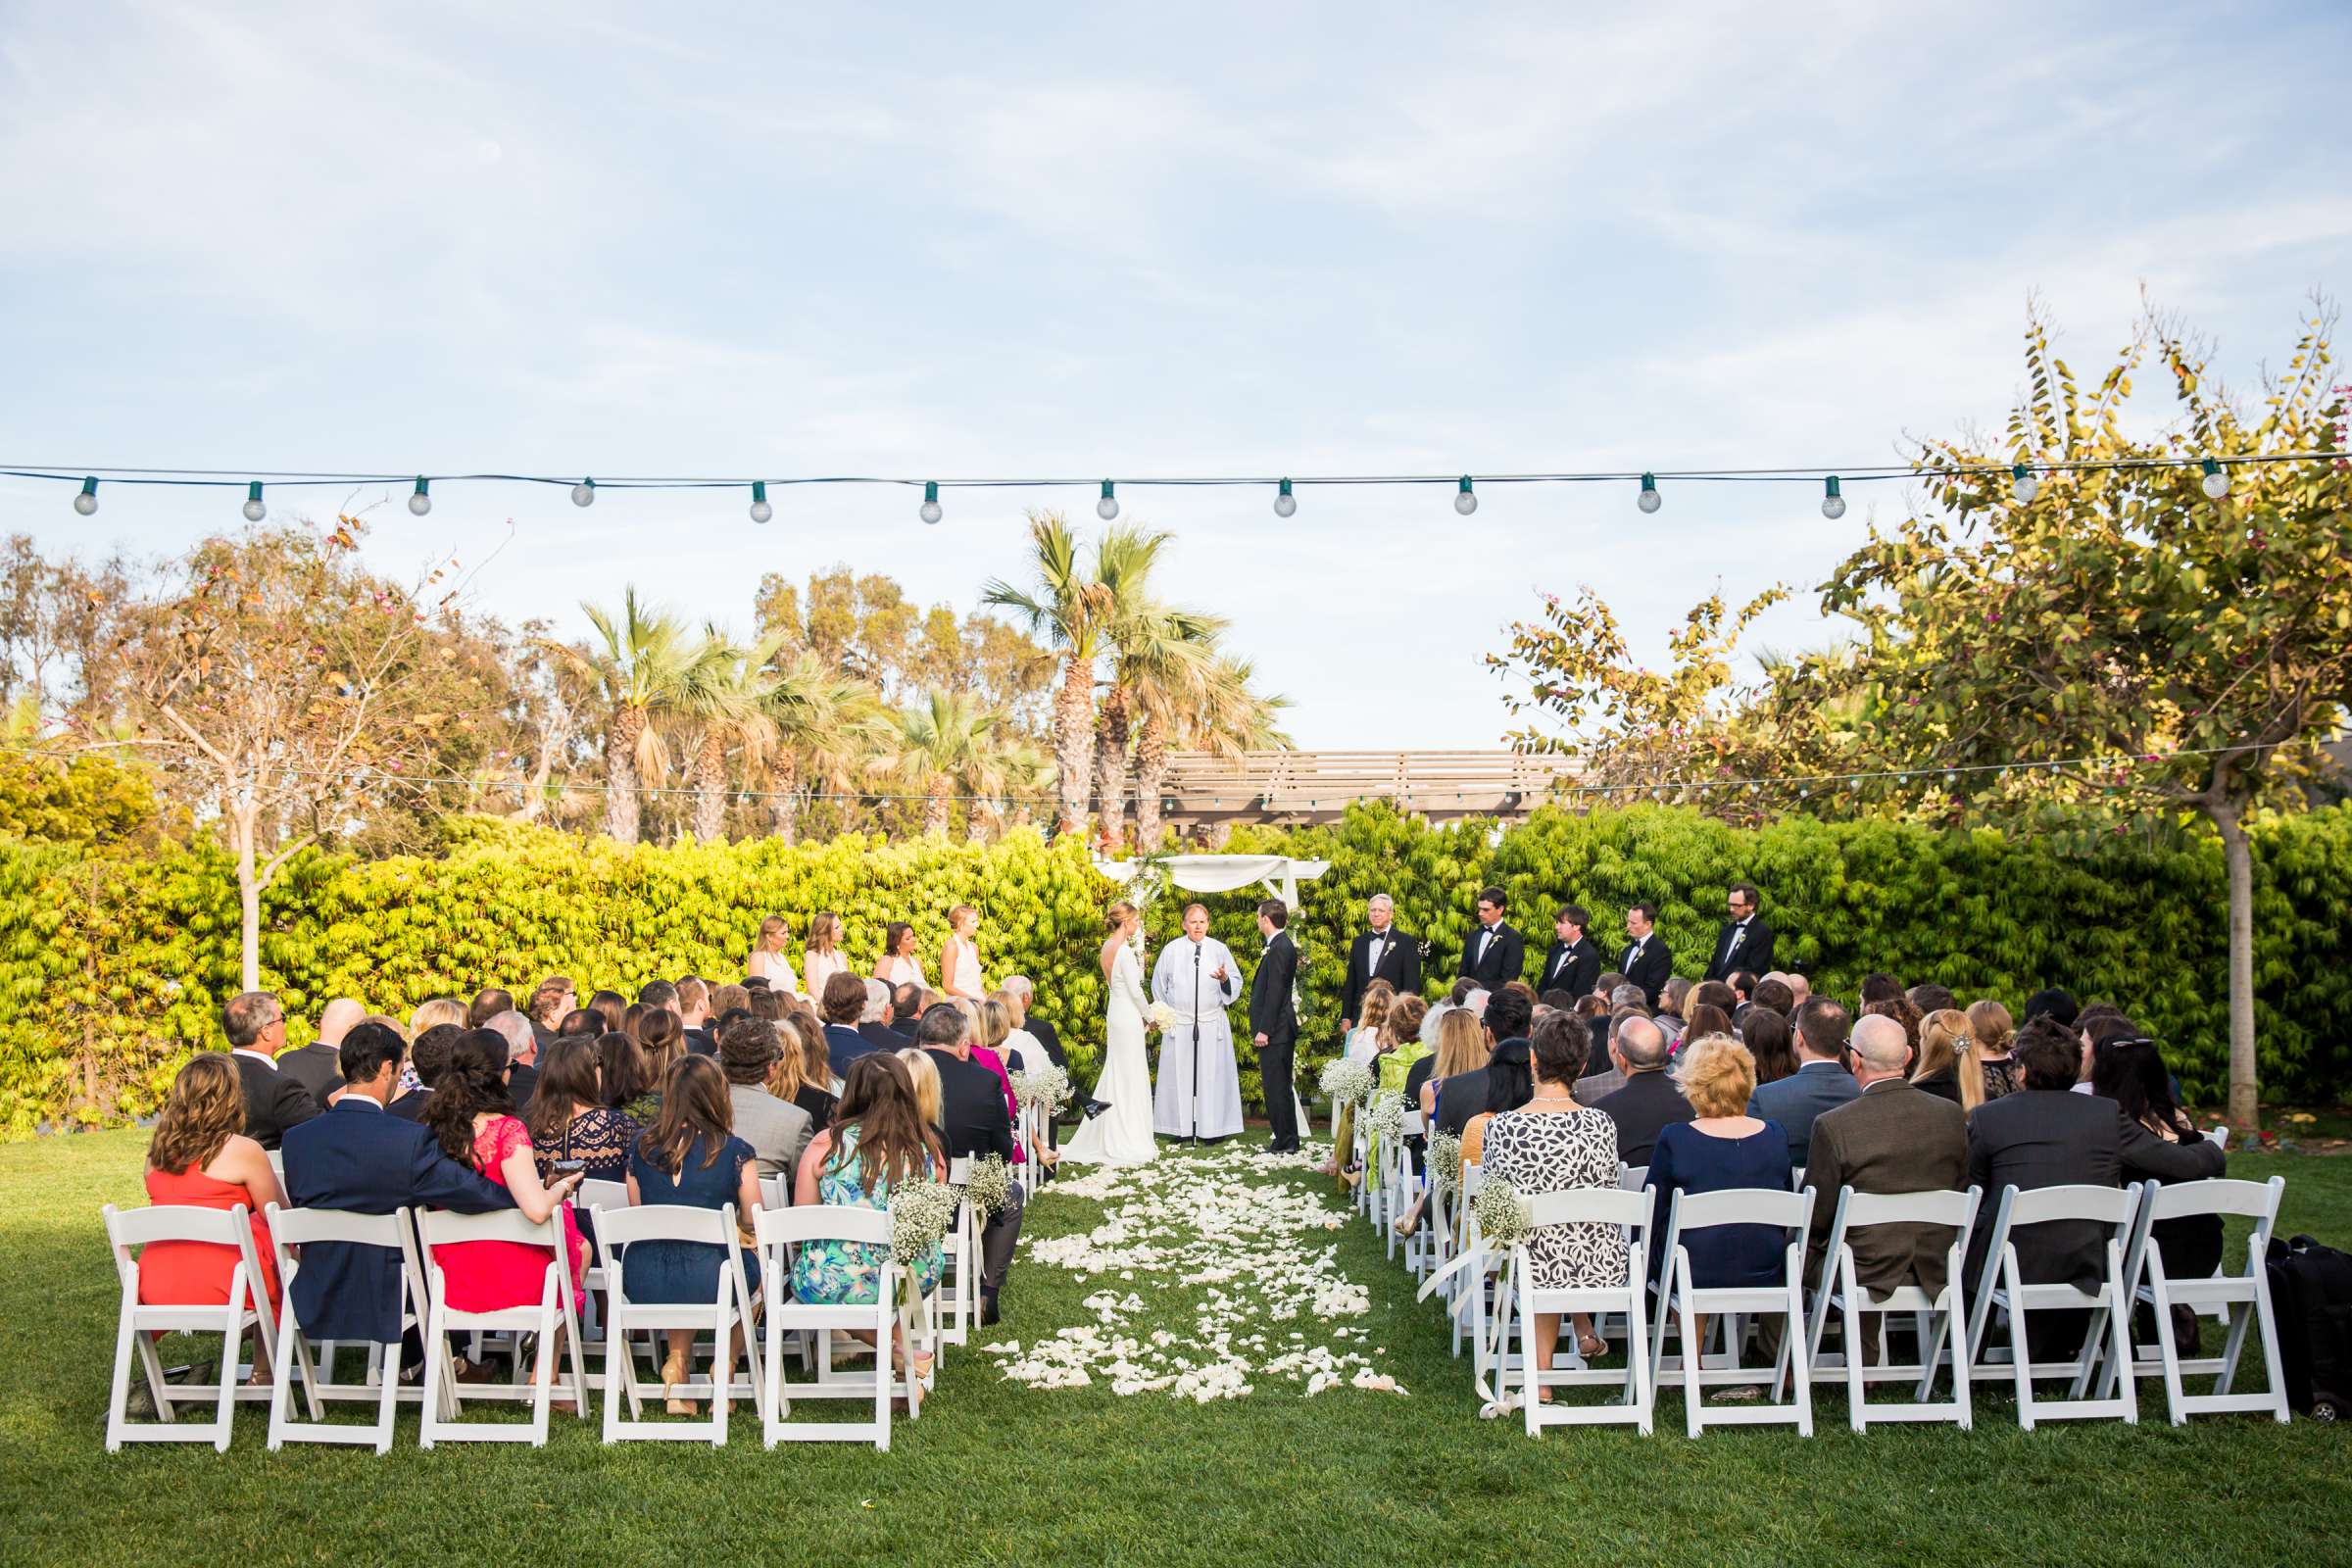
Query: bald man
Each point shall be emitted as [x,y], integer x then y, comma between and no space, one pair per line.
[1890,1138]
[314,1066]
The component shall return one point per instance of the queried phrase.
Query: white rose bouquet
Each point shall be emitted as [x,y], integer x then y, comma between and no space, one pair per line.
[1162,1015]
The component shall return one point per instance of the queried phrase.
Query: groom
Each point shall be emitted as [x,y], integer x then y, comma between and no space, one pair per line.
[1274,1022]
[1199,1095]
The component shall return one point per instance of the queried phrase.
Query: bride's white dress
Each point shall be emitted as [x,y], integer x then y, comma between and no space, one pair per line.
[1121,1135]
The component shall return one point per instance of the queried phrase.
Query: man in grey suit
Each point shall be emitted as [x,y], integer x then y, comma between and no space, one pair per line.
[1890,1138]
[776,1129]
[1820,1083]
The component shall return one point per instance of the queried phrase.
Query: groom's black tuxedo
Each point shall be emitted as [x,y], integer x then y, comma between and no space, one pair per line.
[1399,963]
[1274,1015]
[1570,966]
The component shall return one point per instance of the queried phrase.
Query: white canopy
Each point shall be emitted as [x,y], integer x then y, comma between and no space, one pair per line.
[1221,873]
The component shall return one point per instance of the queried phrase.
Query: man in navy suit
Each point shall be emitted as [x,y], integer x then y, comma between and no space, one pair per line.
[1820,1083]
[844,1003]
[360,1159]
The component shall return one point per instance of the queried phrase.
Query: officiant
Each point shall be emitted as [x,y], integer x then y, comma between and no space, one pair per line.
[1198,1094]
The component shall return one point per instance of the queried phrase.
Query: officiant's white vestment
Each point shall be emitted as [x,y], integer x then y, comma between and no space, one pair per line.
[1212,1046]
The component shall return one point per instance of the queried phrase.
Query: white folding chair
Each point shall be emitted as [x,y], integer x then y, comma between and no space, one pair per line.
[278,1166]
[781,1230]
[138,1322]
[588,1196]
[1938,1321]
[291,1231]
[1396,1178]
[1730,1305]
[731,1306]
[2217,1137]
[2003,1289]
[555,1310]
[1630,1211]
[958,1301]
[2242,1299]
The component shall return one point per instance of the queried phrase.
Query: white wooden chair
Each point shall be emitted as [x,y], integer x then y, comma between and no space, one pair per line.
[1729,1306]
[1939,1322]
[781,1230]
[1631,1211]
[138,1322]
[2242,1299]
[555,1310]
[2004,1290]
[957,1304]
[1398,1181]
[291,1231]
[2217,1137]
[731,1306]
[590,1196]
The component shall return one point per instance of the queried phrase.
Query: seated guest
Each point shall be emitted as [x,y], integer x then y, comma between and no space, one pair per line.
[768,1006]
[361,1160]
[692,1159]
[844,1003]
[1990,1069]
[1372,1011]
[1892,1136]
[582,1023]
[1649,1100]
[991,1025]
[626,1079]
[1932,998]
[1605,1077]
[661,994]
[2058,1004]
[1766,1035]
[924,1079]
[2101,1024]
[1402,1050]
[775,1129]
[663,1038]
[488,1003]
[873,1024]
[726,1000]
[522,1054]
[1461,1047]
[550,1000]
[1551,1143]
[694,1017]
[274,1101]
[803,1072]
[1471,1094]
[428,1055]
[474,1120]
[2131,1073]
[1509,1078]
[568,1119]
[1800,990]
[1744,989]
[313,1065]
[1880,986]
[1605,988]
[1674,1002]
[439,1010]
[1899,1009]
[1716,994]
[1708,1019]
[613,1007]
[1819,1083]
[975,1122]
[1773,996]
[905,1009]
[199,1160]
[1943,1044]
[880,1143]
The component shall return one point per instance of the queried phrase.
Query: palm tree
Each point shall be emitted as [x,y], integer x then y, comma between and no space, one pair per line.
[724,698]
[1163,657]
[640,667]
[821,718]
[937,744]
[1217,711]
[1074,610]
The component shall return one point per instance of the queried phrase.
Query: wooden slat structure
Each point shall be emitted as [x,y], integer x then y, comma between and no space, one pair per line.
[1207,792]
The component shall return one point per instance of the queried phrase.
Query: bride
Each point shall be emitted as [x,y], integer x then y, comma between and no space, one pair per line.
[1121,1134]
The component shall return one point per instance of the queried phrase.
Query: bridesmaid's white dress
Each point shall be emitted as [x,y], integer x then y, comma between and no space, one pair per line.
[1121,1135]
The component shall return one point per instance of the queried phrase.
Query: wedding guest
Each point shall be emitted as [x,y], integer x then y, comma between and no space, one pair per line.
[1551,1144]
[804,1071]
[692,1159]
[550,1001]
[568,1119]
[873,1024]
[924,1078]
[1800,990]
[200,1160]
[1494,953]
[522,1054]
[614,1009]
[488,1003]
[1364,1044]
[766,961]
[1879,986]
[1401,1049]
[661,994]
[2058,1004]
[775,1129]
[769,1006]
[627,1078]
[1509,1079]
[1766,1035]
[439,1010]
[822,957]
[1744,988]
[1820,1082]
[899,966]
[844,1003]
[427,1054]
[1594,1011]
[313,1065]
[256,1026]
[1503,1021]
[1603,1077]
[1898,1009]
[1705,1019]
[694,1017]
[1774,995]
[583,1024]
[2131,1073]
[1928,997]
[662,1041]
[1990,1070]
[1892,1136]
[905,1009]
[1461,1049]
[1673,1007]
[1649,1100]
[1945,1044]
[991,1025]
[975,1121]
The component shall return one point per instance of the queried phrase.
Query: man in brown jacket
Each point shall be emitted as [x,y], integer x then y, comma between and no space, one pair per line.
[1891,1138]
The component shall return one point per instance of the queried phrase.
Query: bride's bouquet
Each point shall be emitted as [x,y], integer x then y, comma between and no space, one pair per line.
[1346,1082]
[1161,1017]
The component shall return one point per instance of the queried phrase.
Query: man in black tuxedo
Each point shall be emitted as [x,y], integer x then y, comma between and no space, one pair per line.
[1274,1023]
[973,1117]
[274,1101]
[314,1066]
[1745,942]
[1646,963]
[1381,953]
[1574,962]
[1496,955]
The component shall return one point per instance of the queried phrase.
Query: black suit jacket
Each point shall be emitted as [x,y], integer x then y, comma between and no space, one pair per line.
[1647,1103]
[1049,1039]
[410,1105]
[971,1107]
[1505,957]
[1460,1098]
[880,1036]
[1271,1012]
[274,1101]
[700,1043]
[1756,950]
[1399,965]
[2051,1138]
[522,1082]
[1570,966]
[318,1068]
[359,1158]
[1652,971]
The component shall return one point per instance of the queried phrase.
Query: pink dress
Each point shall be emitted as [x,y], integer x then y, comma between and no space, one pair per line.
[1012,1101]
[492,1276]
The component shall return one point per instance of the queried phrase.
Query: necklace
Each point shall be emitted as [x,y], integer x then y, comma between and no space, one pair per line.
[1551,1100]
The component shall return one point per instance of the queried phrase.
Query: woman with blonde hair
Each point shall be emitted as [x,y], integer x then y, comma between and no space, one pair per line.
[925,1073]
[1401,1050]
[822,958]
[1944,1042]
[201,1159]
[766,961]
[805,1076]
[1990,1069]
[428,1014]
[990,1024]
[1364,1045]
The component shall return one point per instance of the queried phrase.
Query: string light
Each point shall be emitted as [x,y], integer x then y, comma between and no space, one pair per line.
[1108,507]
[584,494]
[1285,503]
[253,509]
[421,502]
[1465,500]
[1649,500]
[2215,482]
[760,510]
[1832,499]
[931,512]
[86,503]
[2025,484]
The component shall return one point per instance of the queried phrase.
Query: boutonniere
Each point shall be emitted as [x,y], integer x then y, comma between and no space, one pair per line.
[1422,946]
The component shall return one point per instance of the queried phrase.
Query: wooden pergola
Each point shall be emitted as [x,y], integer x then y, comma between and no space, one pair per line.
[1207,793]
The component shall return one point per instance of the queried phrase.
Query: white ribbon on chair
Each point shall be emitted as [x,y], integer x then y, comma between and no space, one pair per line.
[1497,1401]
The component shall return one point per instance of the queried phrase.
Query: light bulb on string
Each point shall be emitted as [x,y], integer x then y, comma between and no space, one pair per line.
[2215,482]
[422,500]
[760,510]
[1832,499]
[931,512]
[1285,503]
[254,509]
[2025,484]
[1465,500]
[86,503]
[1108,507]
[1650,499]
[584,494]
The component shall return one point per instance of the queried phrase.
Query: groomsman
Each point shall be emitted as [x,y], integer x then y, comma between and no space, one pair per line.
[1573,963]
[1383,952]
[1646,963]
[1274,1022]
[1745,942]
[1496,955]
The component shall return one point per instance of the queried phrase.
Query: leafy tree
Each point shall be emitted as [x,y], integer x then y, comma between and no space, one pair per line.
[721,704]
[1159,658]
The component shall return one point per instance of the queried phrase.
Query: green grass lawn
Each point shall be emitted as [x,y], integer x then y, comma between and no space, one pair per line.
[996,1471]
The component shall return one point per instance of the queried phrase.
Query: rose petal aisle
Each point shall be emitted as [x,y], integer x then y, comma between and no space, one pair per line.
[1217,1276]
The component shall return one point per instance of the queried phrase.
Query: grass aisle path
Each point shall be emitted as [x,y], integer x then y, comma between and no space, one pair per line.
[997,1470]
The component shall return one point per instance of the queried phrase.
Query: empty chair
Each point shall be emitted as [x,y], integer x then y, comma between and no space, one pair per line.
[1688,1303]
[139,1322]
[2004,1289]
[554,1318]
[2245,1298]
[291,1230]
[1939,1319]
[731,1308]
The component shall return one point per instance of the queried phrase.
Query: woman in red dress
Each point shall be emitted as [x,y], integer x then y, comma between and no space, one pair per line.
[199,1158]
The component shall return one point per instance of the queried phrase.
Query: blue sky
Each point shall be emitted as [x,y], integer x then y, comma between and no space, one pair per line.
[1112,240]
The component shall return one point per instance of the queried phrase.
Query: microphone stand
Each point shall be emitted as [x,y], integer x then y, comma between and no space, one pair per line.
[1196,1129]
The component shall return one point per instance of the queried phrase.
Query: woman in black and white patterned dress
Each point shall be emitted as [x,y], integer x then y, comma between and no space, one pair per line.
[1553,1145]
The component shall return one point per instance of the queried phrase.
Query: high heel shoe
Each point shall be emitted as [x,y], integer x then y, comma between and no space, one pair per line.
[1406,1227]
[673,1373]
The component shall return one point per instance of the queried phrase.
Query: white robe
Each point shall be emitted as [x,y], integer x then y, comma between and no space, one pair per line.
[1220,1085]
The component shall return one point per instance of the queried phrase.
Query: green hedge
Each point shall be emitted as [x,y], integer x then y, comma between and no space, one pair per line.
[112,969]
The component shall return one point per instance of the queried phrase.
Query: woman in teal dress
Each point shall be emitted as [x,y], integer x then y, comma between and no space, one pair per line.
[878,1141]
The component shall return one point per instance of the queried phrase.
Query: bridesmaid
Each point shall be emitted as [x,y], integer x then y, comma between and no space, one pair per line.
[825,958]
[899,966]
[959,955]
[767,962]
